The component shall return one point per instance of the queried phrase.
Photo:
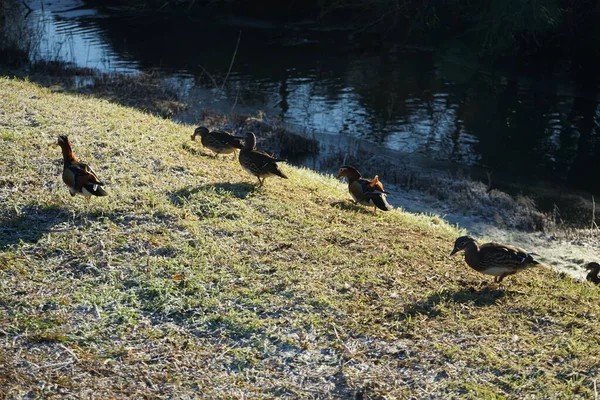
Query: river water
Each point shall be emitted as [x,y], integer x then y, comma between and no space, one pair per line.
[439,106]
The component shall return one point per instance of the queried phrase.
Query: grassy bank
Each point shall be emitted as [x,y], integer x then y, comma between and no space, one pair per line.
[187,280]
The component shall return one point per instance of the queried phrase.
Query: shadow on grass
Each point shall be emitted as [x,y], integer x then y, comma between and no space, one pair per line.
[239,190]
[349,206]
[477,298]
[30,225]
[194,151]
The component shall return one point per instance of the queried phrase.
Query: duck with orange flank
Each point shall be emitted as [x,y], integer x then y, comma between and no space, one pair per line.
[79,177]
[364,191]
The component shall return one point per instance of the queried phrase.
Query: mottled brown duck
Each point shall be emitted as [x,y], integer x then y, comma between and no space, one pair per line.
[79,177]
[499,260]
[257,162]
[219,142]
[364,191]
[594,269]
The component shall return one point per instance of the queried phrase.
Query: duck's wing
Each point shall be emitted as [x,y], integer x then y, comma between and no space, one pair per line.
[264,157]
[80,176]
[503,254]
[227,139]
[362,190]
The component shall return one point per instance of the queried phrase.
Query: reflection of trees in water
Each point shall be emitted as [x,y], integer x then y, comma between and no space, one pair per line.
[16,36]
[528,129]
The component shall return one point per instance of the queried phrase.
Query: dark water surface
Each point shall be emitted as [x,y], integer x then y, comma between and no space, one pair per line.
[440,104]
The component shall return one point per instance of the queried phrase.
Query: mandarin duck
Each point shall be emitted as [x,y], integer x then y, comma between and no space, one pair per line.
[220,142]
[499,260]
[78,176]
[592,276]
[364,191]
[257,162]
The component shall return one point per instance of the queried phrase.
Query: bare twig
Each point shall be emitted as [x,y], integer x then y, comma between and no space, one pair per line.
[595,389]
[237,95]
[68,350]
[55,366]
[593,224]
[232,59]
[210,76]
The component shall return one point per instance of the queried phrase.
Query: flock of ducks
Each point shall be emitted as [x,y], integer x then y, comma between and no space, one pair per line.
[495,259]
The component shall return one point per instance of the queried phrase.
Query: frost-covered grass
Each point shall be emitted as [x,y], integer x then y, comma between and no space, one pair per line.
[187,280]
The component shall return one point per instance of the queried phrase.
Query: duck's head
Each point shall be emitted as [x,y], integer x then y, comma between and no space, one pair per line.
[349,172]
[593,266]
[462,243]
[201,130]
[63,140]
[250,140]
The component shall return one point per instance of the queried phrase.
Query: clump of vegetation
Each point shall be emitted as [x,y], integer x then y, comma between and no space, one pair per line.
[16,38]
[188,280]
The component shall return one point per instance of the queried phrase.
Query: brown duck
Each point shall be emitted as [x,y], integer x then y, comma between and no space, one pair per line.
[364,191]
[220,142]
[79,177]
[257,162]
[594,269]
[499,260]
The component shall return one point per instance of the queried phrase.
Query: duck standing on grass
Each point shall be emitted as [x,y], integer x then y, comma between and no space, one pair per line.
[220,142]
[499,260]
[78,176]
[257,162]
[592,276]
[364,191]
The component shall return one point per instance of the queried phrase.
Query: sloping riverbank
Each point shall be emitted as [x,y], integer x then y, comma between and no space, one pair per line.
[187,280]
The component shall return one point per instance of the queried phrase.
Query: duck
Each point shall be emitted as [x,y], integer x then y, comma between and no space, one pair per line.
[364,191]
[592,276]
[220,142]
[499,260]
[257,162]
[79,177]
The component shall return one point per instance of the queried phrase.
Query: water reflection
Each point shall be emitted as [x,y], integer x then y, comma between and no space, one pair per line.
[438,104]
[68,31]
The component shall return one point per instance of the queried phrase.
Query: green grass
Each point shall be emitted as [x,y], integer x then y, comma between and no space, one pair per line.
[187,280]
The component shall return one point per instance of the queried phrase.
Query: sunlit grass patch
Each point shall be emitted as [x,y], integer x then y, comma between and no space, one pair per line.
[189,280]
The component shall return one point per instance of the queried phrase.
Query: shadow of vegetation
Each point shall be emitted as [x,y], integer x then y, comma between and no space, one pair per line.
[477,298]
[239,190]
[30,224]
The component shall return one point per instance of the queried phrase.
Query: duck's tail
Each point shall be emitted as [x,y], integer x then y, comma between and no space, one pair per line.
[95,188]
[380,202]
[275,170]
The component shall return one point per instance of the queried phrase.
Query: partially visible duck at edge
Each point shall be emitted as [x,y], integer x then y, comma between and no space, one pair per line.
[257,162]
[364,191]
[594,269]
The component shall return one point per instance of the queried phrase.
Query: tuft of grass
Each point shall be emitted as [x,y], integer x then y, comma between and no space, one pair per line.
[188,280]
